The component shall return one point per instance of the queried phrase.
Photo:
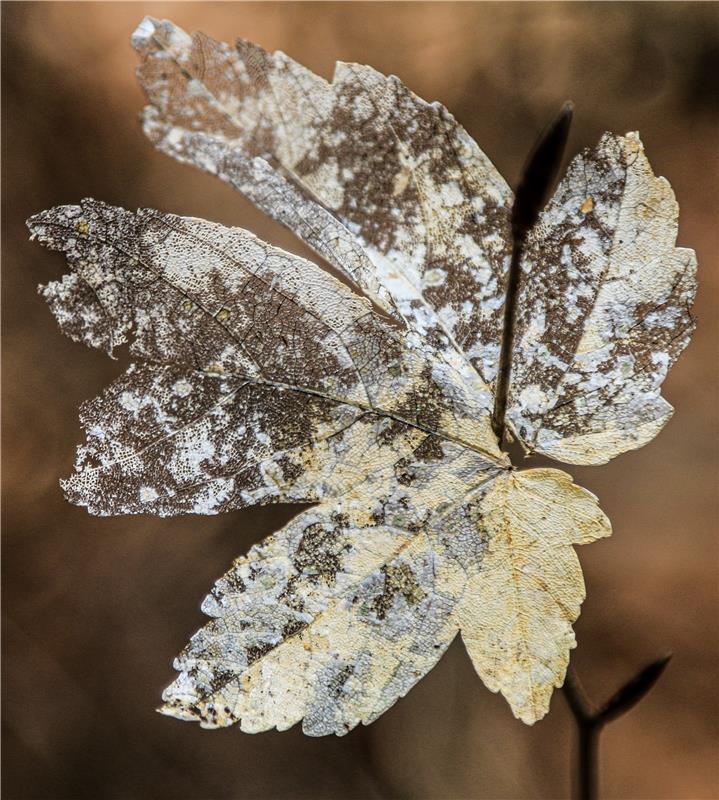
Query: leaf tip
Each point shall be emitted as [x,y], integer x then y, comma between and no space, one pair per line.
[36,222]
[142,35]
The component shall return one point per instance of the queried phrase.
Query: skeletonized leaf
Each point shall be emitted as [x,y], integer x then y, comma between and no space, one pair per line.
[526,591]
[327,621]
[259,378]
[331,620]
[421,198]
[284,201]
[264,379]
[604,309]
[373,424]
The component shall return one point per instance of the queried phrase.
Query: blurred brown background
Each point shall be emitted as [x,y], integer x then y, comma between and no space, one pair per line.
[95,609]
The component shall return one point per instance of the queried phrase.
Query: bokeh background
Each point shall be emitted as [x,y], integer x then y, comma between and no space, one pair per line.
[95,609]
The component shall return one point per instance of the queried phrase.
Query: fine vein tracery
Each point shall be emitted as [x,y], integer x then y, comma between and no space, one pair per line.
[258,377]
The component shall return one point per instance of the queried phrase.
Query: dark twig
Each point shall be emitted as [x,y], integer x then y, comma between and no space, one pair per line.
[633,691]
[590,721]
[537,178]
[587,730]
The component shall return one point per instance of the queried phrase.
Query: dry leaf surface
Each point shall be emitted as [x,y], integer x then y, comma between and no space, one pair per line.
[258,377]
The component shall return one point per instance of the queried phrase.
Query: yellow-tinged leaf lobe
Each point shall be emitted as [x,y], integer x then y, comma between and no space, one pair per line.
[522,598]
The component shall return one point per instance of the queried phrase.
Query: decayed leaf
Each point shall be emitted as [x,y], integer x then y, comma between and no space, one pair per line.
[259,377]
[604,309]
[262,377]
[528,587]
[331,619]
[605,305]
[422,200]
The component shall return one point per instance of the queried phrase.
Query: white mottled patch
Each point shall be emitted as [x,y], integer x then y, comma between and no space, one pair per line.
[182,388]
[148,494]
[434,277]
[451,194]
[534,399]
[130,401]
[362,108]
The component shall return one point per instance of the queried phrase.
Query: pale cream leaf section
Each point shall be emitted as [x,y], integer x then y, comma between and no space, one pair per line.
[521,600]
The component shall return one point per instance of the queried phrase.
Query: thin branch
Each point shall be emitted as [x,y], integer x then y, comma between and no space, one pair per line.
[591,721]
[537,179]
[505,354]
[577,698]
[633,690]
